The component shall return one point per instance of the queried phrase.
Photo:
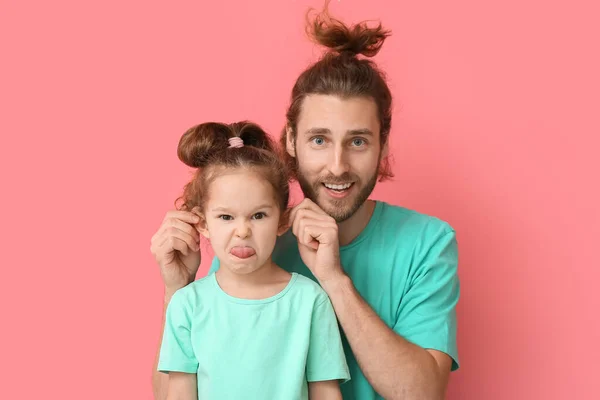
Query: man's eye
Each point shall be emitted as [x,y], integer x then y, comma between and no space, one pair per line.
[358,142]
[319,141]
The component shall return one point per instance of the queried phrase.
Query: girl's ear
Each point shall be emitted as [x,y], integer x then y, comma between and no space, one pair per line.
[201,225]
[284,222]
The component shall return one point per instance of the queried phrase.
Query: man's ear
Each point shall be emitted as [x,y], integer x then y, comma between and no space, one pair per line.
[201,225]
[290,146]
[284,222]
[385,151]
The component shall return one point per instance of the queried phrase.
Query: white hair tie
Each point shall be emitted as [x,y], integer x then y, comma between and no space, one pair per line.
[236,142]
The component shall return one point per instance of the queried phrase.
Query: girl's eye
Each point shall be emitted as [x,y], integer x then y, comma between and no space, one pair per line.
[226,217]
[358,142]
[319,141]
[259,215]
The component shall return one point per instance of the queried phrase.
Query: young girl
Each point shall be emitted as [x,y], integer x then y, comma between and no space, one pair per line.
[251,330]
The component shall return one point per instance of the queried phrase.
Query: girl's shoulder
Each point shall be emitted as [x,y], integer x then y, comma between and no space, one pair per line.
[308,289]
[195,291]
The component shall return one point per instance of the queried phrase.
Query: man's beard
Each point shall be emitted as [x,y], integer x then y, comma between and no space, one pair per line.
[338,209]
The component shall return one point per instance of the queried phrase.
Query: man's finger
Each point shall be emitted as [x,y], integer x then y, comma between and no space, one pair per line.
[186,216]
[179,245]
[169,247]
[304,217]
[184,227]
[307,204]
[318,229]
[327,235]
[308,213]
[310,236]
[174,233]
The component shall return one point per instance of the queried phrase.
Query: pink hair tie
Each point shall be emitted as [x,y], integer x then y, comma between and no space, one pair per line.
[236,142]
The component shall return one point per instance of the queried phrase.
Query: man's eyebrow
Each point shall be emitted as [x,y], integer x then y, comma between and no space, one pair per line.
[351,132]
[364,132]
[318,131]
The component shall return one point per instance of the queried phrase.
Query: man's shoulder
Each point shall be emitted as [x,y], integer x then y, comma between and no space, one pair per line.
[286,247]
[287,241]
[427,240]
[406,221]
[287,256]
[405,232]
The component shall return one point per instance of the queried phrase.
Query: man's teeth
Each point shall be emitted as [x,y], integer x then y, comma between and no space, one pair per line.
[338,187]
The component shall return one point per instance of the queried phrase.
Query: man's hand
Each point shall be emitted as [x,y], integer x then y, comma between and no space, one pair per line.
[317,235]
[176,248]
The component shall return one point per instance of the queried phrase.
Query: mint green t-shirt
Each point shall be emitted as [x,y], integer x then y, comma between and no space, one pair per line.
[253,349]
[404,264]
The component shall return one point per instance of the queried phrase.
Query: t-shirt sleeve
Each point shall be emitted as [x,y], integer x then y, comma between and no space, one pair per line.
[427,316]
[326,360]
[176,352]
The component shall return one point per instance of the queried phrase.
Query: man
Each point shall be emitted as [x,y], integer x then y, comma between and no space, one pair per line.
[391,273]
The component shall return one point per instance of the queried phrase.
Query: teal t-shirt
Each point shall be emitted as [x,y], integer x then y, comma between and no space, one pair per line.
[253,349]
[404,264]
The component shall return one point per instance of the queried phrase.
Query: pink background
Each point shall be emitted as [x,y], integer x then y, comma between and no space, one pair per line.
[495,130]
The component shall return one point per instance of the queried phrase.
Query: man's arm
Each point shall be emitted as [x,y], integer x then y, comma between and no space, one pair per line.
[324,390]
[395,367]
[182,386]
[160,381]
[175,246]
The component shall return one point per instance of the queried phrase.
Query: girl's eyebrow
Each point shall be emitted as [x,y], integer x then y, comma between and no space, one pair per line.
[224,209]
[264,206]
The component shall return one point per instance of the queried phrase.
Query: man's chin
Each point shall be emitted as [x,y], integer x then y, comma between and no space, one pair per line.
[338,209]
[341,215]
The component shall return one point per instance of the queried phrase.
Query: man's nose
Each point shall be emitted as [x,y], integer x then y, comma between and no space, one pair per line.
[338,163]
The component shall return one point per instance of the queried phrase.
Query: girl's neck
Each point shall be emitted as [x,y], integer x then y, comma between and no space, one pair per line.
[265,282]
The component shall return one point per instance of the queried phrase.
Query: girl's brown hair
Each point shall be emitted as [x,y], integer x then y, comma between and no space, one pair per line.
[341,72]
[207,148]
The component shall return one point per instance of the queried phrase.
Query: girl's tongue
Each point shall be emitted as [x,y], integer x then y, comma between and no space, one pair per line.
[243,252]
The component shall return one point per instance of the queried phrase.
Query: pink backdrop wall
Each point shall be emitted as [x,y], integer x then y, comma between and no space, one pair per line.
[495,130]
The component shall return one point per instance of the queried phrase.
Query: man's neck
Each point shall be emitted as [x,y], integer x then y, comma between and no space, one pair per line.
[353,226]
